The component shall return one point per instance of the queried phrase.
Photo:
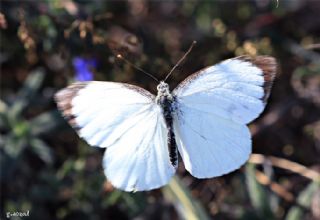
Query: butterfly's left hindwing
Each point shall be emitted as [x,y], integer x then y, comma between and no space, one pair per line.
[213,108]
[124,119]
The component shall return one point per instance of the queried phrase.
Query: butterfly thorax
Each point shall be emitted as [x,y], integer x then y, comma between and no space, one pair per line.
[167,103]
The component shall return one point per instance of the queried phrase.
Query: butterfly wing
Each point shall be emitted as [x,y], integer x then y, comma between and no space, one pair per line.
[213,108]
[124,119]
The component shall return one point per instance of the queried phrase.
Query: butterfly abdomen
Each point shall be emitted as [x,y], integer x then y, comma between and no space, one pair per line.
[167,108]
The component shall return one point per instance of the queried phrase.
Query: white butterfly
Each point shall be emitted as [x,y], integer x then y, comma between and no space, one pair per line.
[204,119]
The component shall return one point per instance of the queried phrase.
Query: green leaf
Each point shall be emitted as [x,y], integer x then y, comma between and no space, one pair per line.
[42,150]
[113,198]
[304,200]
[65,169]
[28,91]
[258,195]
[187,206]
[14,146]
[3,106]
[32,83]
[45,123]
[21,129]
[134,201]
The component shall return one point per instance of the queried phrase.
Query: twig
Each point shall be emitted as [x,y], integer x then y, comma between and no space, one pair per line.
[299,51]
[275,187]
[286,164]
[312,46]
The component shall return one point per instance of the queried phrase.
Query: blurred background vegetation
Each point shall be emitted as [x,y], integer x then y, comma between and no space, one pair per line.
[47,44]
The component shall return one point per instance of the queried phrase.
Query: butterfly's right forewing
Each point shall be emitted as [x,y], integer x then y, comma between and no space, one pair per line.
[124,119]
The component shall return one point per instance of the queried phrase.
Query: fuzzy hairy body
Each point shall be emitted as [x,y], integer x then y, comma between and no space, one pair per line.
[167,104]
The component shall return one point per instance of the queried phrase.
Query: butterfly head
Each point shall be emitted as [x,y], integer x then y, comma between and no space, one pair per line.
[163,88]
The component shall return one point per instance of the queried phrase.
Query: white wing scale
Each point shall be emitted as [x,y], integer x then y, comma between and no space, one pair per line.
[124,119]
[210,145]
[214,106]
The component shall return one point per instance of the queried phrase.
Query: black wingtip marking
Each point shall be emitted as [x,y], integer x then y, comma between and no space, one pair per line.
[268,65]
[64,98]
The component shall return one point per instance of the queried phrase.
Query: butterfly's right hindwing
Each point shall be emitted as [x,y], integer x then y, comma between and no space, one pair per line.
[124,119]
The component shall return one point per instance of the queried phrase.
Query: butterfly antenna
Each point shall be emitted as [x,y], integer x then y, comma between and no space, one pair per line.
[181,59]
[119,56]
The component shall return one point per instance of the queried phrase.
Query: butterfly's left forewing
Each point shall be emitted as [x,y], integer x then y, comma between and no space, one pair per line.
[213,108]
[124,119]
